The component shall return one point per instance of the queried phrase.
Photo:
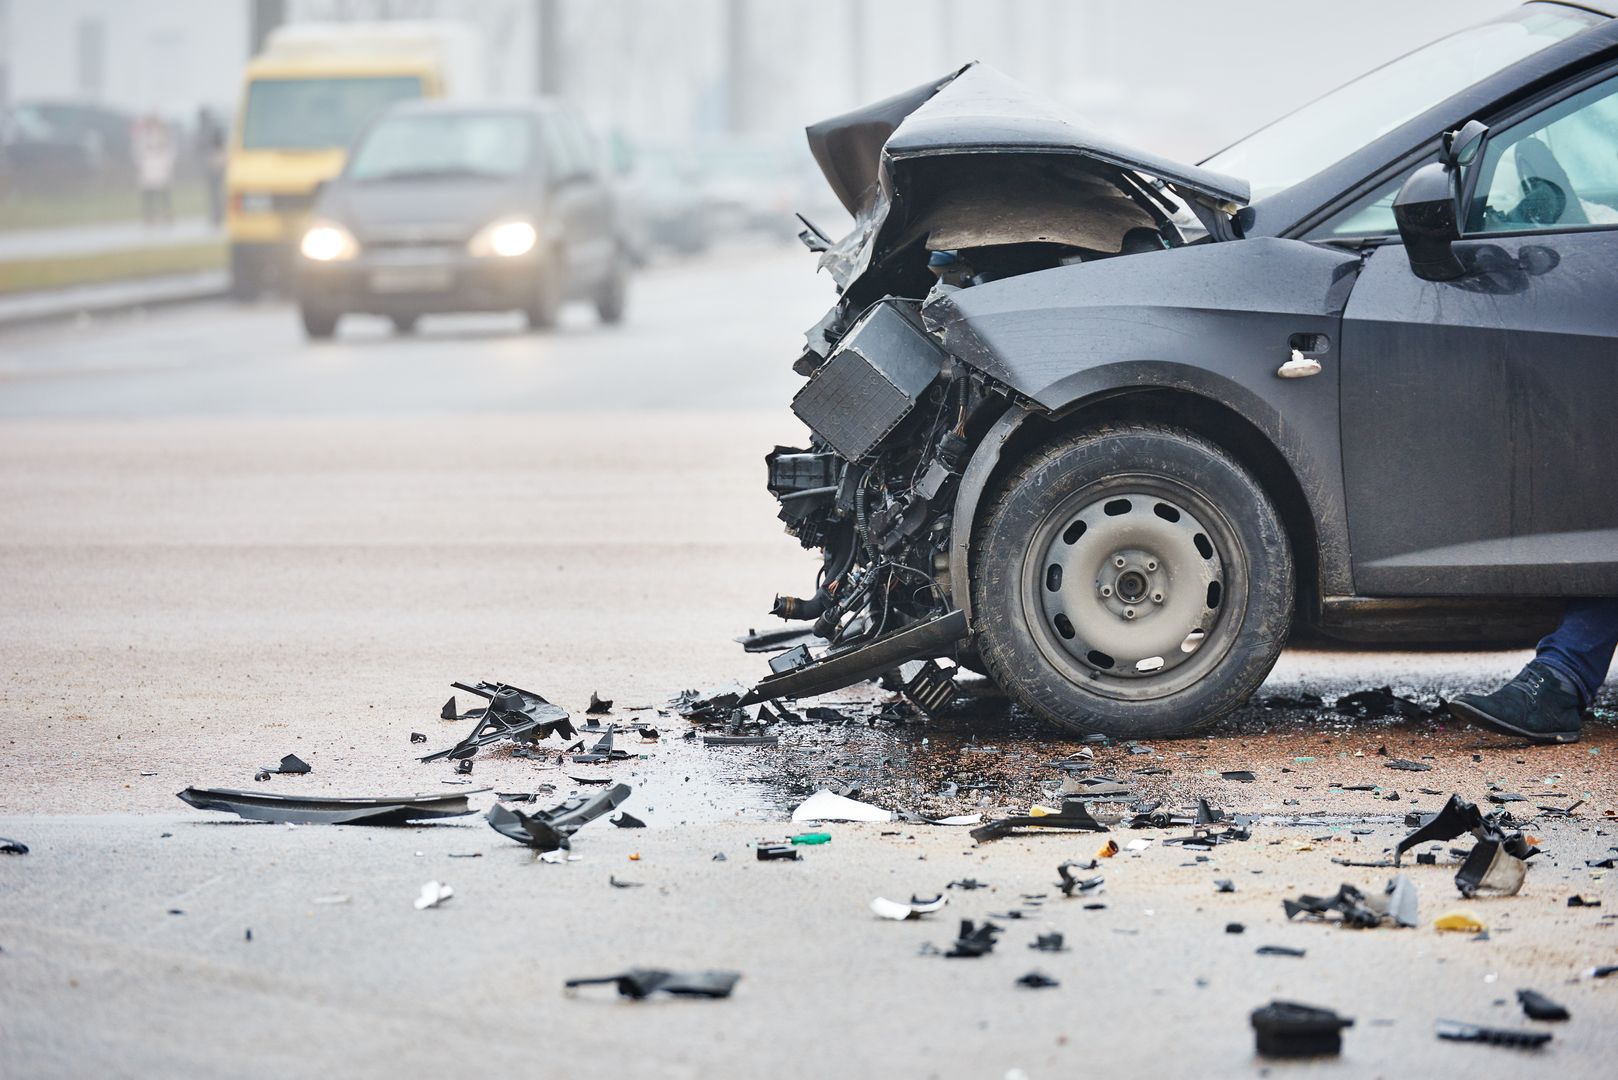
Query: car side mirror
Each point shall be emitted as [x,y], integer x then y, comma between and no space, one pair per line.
[1428,210]
[1460,147]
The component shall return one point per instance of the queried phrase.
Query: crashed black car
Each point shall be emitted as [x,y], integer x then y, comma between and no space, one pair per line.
[1111,429]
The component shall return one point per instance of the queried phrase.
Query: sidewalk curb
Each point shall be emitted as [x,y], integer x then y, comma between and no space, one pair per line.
[21,310]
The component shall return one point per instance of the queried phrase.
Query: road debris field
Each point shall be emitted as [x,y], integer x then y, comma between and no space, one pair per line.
[253,593]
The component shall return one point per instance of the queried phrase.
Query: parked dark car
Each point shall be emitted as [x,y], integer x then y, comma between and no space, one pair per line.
[1110,428]
[455,207]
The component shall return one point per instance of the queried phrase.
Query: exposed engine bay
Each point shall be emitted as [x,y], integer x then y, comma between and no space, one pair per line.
[962,182]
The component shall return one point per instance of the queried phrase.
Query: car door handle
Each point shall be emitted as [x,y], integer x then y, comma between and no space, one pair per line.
[1299,367]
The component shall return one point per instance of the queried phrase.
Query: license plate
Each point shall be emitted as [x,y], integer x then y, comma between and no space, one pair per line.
[411,279]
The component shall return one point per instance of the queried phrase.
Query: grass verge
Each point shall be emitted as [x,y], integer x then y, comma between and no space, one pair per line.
[61,272]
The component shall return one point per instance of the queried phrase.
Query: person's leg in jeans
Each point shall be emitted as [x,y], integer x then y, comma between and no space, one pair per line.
[1544,702]
[1581,648]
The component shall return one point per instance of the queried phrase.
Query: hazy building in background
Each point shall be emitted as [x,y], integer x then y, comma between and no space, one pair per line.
[1178,78]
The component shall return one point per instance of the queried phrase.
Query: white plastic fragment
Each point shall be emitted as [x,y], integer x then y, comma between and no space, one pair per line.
[432,894]
[558,856]
[1138,844]
[893,909]
[825,806]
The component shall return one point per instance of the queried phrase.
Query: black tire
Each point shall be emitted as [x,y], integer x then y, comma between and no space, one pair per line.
[1158,497]
[546,295]
[613,296]
[318,323]
[405,324]
[246,274]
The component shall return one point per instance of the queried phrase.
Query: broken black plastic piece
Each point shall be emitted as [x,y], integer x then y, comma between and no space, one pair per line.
[548,830]
[1037,980]
[1537,1006]
[463,767]
[640,983]
[1051,942]
[1241,776]
[1074,816]
[1382,702]
[1072,885]
[1348,902]
[320,810]
[974,940]
[291,765]
[1286,1029]
[928,686]
[417,737]
[1459,1031]
[512,713]
[776,852]
[601,752]
[626,820]
[598,705]
[741,740]
[790,660]
[1407,766]
[12,847]
[1278,950]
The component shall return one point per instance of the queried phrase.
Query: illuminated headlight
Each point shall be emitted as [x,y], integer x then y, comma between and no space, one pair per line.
[328,242]
[507,239]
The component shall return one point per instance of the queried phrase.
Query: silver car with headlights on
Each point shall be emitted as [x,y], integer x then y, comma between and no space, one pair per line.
[459,207]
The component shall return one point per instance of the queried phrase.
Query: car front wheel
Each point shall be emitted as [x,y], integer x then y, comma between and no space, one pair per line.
[318,323]
[1131,580]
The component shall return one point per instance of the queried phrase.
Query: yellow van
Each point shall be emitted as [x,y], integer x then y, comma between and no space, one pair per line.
[305,97]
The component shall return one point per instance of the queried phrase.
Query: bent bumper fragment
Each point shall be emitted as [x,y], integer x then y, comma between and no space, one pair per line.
[924,641]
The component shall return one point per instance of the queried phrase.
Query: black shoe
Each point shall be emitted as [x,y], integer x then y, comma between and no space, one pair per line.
[1535,705]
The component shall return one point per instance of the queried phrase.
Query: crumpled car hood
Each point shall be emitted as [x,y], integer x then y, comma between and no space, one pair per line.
[974,111]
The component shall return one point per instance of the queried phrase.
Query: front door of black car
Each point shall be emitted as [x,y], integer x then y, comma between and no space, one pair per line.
[1480,416]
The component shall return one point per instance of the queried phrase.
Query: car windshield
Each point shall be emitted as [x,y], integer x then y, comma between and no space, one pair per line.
[1330,128]
[318,114]
[444,144]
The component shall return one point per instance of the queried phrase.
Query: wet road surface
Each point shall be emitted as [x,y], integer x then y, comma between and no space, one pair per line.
[221,544]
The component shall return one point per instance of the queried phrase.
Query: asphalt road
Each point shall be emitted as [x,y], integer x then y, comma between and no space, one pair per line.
[220,544]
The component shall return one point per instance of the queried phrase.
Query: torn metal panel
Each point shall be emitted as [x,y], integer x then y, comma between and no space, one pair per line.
[550,830]
[320,810]
[512,713]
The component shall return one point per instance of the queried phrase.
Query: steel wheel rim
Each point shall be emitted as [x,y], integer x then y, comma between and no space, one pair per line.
[1134,587]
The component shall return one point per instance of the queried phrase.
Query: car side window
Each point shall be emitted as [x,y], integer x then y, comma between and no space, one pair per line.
[1371,215]
[1556,170]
